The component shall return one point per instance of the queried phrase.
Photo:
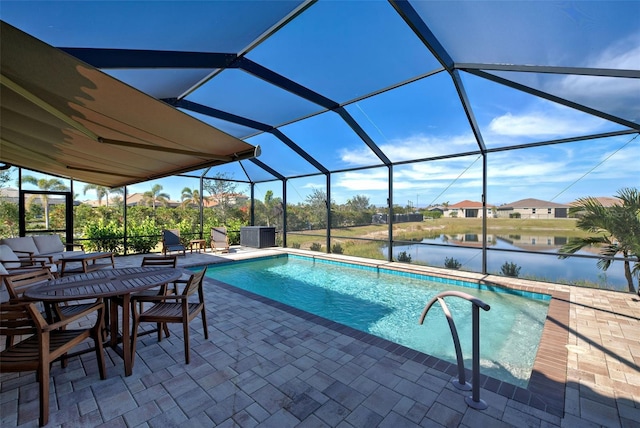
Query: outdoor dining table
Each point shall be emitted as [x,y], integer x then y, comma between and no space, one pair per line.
[106,283]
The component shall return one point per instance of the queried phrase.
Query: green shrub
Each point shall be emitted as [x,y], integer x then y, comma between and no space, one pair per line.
[515,215]
[404,257]
[104,236]
[9,223]
[510,269]
[188,231]
[233,226]
[143,237]
[295,245]
[452,263]
[337,249]
[432,214]
[316,246]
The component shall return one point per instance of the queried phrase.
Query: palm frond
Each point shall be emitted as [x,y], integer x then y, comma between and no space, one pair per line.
[576,244]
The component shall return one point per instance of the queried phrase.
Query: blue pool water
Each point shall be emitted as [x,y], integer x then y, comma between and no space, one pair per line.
[388,304]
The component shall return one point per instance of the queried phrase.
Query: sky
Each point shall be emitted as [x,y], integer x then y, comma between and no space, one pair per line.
[345,50]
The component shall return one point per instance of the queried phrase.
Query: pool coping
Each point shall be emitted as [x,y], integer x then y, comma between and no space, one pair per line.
[546,388]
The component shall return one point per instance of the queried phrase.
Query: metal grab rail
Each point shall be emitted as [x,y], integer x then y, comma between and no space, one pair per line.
[473,401]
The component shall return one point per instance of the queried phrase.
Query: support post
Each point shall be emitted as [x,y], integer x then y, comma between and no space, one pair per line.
[284,213]
[390,211]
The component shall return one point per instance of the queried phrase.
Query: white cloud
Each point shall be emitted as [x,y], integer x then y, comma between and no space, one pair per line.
[618,96]
[530,167]
[415,180]
[362,180]
[359,157]
[545,119]
[312,186]
[417,146]
[562,172]
[552,121]
[437,172]
[623,55]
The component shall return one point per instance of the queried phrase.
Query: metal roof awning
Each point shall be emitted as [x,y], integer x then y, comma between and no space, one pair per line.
[64,117]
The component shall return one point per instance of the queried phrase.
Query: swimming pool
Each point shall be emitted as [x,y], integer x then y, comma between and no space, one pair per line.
[388,304]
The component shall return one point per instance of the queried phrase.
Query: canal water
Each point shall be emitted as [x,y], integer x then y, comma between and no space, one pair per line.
[467,250]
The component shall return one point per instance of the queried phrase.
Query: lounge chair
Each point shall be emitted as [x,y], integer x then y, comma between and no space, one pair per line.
[171,242]
[219,239]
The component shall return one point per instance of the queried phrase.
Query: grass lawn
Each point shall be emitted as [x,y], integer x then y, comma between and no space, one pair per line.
[361,236]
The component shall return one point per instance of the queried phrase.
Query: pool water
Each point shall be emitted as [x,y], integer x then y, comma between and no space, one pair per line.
[388,305]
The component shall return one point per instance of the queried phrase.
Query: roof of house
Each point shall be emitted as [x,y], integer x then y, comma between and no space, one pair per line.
[606,201]
[532,203]
[468,204]
[135,198]
[139,199]
[9,192]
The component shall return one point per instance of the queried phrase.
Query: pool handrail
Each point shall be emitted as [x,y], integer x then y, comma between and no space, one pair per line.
[474,401]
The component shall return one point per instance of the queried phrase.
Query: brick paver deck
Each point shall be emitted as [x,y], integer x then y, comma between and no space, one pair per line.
[266,364]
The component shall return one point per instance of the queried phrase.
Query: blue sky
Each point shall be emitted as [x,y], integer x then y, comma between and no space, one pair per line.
[344,50]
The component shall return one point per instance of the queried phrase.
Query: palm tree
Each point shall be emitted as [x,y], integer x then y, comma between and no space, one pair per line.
[617,230]
[156,195]
[48,185]
[101,192]
[118,191]
[190,197]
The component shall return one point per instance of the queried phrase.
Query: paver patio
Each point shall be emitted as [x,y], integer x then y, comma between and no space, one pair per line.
[266,364]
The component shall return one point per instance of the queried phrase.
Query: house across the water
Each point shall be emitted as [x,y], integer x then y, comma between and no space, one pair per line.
[533,208]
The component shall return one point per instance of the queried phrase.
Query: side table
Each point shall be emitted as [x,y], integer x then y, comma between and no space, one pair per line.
[200,244]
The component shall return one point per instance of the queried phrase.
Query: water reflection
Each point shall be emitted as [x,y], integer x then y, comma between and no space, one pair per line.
[466,249]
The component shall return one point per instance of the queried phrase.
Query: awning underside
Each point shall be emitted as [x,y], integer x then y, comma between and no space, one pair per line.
[66,118]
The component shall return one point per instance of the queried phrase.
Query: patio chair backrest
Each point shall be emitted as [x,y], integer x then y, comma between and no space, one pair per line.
[159,261]
[219,235]
[195,284]
[219,239]
[171,241]
[16,320]
[171,236]
[19,283]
